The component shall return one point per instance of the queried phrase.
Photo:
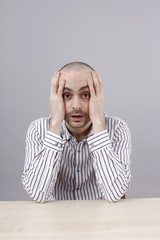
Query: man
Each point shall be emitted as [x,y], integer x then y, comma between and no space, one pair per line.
[78,153]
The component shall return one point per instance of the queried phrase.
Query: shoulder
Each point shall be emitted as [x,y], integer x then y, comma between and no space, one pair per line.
[113,123]
[38,127]
[118,130]
[40,121]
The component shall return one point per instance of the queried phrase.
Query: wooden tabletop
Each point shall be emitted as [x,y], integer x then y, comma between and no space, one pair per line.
[126,219]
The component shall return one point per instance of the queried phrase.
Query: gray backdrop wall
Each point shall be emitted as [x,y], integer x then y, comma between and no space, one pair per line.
[119,38]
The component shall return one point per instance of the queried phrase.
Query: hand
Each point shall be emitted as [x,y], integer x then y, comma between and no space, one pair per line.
[56,103]
[96,106]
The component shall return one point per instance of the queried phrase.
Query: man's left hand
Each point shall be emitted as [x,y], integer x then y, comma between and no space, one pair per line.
[96,106]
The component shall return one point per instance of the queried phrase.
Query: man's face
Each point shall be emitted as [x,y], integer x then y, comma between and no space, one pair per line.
[76,97]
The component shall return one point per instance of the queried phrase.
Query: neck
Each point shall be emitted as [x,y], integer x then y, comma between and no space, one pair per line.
[79,133]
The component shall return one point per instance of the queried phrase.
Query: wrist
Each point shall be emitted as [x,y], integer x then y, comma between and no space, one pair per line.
[55,126]
[99,125]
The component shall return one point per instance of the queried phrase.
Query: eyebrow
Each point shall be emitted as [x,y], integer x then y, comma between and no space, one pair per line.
[69,89]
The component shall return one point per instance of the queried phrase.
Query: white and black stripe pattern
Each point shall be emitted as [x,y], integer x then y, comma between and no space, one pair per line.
[59,168]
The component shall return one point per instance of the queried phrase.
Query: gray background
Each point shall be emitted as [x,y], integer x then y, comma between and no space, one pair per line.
[121,39]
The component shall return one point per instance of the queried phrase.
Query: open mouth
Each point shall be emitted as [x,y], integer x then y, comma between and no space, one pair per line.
[77,117]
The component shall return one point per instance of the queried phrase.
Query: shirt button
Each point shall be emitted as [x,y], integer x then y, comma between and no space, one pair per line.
[77,189]
[59,145]
[78,170]
[79,151]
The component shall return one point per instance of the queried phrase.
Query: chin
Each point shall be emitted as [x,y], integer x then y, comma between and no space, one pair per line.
[77,124]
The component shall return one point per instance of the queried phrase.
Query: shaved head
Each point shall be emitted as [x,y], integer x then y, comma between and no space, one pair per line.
[76,67]
[76,73]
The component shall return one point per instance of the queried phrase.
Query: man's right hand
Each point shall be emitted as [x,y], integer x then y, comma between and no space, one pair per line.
[56,103]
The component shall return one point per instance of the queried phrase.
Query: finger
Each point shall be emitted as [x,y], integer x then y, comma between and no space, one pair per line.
[53,79]
[96,82]
[55,82]
[98,76]
[100,82]
[61,87]
[91,88]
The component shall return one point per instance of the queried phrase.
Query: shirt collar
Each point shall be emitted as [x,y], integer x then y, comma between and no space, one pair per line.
[64,131]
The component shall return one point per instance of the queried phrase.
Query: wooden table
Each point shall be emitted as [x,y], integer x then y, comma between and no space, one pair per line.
[126,219]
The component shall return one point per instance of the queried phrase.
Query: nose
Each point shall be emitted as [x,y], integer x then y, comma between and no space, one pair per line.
[76,103]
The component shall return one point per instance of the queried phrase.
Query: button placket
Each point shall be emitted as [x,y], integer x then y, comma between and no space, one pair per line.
[77,169]
[78,150]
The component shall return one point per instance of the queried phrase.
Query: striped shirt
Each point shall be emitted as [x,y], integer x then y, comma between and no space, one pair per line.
[59,168]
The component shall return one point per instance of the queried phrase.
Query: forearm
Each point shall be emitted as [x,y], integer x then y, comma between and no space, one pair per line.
[37,178]
[99,125]
[41,166]
[111,161]
[113,178]
[55,126]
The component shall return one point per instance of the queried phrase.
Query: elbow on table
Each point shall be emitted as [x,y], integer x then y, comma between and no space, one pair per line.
[34,198]
[37,196]
[114,200]
[38,201]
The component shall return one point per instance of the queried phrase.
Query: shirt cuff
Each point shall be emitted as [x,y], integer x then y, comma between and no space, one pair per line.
[53,141]
[99,141]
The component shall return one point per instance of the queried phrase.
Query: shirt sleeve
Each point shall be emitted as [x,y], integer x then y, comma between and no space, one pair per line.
[42,163]
[111,161]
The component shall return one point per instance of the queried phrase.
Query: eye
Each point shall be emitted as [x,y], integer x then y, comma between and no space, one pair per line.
[86,95]
[66,95]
